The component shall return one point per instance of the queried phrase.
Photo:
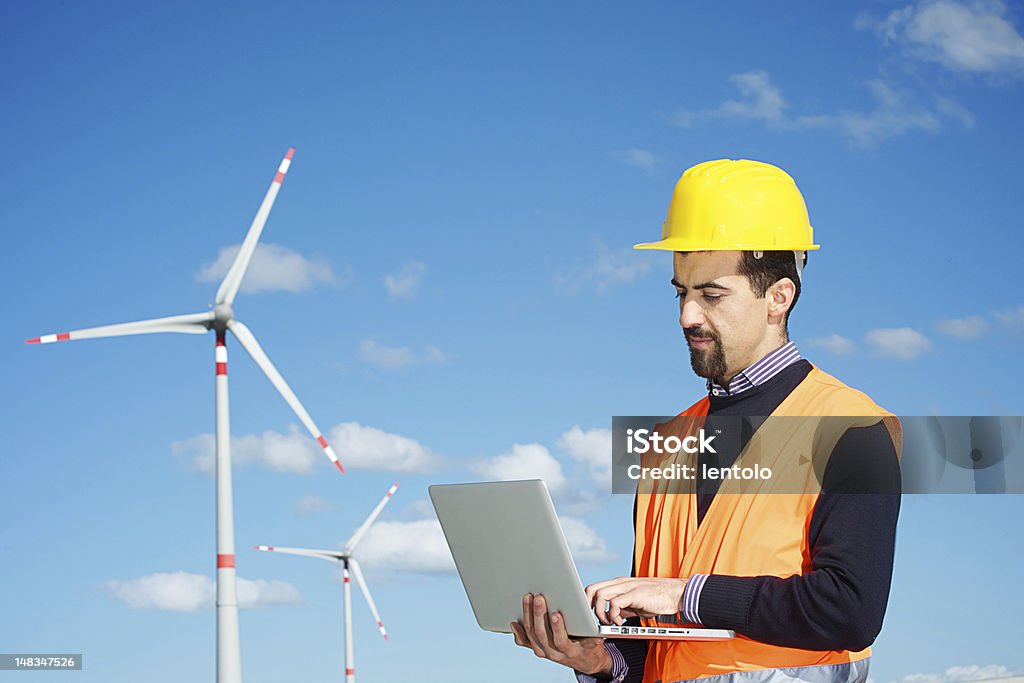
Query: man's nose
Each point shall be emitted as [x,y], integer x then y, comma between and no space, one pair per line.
[692,315]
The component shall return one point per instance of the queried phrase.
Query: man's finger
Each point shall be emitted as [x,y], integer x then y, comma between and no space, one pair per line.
[560,636]
[594,587]
[528,614]
[615,608]
[527,626]
[602,601]
[542,629]
[519,635]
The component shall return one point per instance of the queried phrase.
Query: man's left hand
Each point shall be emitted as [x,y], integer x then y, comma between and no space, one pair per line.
[616,600]
[547,637]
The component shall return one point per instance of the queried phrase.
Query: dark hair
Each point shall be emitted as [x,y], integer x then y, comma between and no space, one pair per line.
[764,272]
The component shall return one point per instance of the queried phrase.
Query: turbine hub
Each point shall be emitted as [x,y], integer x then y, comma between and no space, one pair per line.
[222,315]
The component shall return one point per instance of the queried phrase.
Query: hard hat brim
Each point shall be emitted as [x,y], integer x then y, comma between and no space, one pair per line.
[682,245]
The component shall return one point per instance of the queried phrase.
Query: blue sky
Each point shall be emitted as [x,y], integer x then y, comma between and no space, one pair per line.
[448,264]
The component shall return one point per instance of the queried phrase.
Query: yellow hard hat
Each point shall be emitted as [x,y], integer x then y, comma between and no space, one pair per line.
[736,205]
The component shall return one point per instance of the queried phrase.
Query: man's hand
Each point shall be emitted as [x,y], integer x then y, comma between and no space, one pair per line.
[616,600]
[547,637]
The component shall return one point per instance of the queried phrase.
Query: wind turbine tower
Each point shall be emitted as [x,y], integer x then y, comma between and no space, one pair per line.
[349,563]
[220,320]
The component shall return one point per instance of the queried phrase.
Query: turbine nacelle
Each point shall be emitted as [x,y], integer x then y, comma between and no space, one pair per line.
[223,314]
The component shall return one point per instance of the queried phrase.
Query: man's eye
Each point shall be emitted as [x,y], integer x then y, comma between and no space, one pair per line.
[712,297]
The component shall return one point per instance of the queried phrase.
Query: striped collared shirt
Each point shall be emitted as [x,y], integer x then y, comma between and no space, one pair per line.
[760,372]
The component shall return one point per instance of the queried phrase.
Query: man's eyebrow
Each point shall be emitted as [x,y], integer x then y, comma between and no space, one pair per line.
[703,285]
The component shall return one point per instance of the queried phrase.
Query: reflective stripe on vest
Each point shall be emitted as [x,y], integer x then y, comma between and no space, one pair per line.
[761,533]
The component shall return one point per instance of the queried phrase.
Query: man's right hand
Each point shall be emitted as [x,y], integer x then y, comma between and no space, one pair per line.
[547,637]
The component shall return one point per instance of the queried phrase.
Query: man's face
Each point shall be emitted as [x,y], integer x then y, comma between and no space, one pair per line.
[725,324]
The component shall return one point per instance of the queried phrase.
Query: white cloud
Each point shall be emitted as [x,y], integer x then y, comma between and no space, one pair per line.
[834,343]
[273,268]
[310,504]
[418,509]
[418,546]
[584,543]
[593,447]
[405,283]
[903,343]
[641,158]
[392,357]
[605,268]
[958,674]
[294,452]
[954,110]
[369,448]
[260,593]
[963,328]
[526,461]
[357,446]
[895,112]
[969,37]
[764,102]
[1013,317]
[185,592]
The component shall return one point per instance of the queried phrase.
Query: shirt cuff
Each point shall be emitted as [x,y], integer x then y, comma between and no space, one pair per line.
[619,666]
[691,598]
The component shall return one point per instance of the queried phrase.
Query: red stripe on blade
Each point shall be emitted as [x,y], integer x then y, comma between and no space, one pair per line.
[337,463]
[224,561]
[322,441]
[64,336]
[32,341]
[279,177]
[291,151]
[222,368]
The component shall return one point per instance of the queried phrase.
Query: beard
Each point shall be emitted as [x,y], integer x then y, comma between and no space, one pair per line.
[708,362]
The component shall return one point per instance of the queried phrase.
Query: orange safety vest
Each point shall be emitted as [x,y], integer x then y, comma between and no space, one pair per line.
[750,533]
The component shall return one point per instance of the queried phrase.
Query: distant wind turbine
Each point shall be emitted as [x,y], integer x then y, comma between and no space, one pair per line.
[349,562]
[221,319]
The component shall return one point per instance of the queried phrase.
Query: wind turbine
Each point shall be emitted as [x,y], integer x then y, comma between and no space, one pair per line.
[221,319]
[349,562]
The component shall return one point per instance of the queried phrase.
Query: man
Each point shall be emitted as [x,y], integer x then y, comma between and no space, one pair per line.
[801,574]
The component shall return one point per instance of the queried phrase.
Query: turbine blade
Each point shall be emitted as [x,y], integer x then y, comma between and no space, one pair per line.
[249,343]
[361,531]
[195,323]
[229,287]
[358,573]
[332,555]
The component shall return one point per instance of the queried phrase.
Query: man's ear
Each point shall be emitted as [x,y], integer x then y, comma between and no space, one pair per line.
[780,298]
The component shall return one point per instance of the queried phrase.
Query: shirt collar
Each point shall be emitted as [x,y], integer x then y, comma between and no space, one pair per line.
[760,372]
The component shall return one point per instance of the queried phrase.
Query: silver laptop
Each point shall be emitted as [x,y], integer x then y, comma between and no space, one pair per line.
[507,542]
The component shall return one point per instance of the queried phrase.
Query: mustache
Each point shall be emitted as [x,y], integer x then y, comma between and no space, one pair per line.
[697,333]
